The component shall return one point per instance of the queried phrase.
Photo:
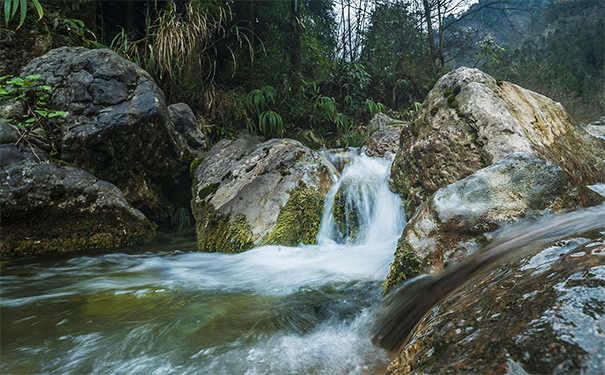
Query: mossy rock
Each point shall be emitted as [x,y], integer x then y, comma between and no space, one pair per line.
[299,219]
[405,266]
[217,232]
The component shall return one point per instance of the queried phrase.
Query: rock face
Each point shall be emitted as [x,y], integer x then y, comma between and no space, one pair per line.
[384,135]
[538,313]
[469,121]
[185,123]
[248,194]
[117,125]
[48,206]
[460,218]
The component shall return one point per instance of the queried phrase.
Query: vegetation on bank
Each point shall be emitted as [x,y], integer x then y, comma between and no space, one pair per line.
[280,68]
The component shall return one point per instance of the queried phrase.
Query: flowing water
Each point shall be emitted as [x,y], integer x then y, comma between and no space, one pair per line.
[165,308]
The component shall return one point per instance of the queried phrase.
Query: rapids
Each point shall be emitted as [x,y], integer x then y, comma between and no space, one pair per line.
[165,308]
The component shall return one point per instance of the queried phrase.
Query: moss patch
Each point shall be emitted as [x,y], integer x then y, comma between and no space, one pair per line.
[299,219]
[218,232]
[405,266]
[194,166]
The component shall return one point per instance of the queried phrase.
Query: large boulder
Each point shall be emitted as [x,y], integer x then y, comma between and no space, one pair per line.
[248,194]
[462,217]
[470,120]
[50,206]
[117,126]
[540,312]
[383,136]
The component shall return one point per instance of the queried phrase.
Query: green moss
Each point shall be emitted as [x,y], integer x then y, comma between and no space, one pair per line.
[451,101]
[194,166]
[217,232]
[405,266]
[299,219]
[499,81]
[447,92]
[207,190]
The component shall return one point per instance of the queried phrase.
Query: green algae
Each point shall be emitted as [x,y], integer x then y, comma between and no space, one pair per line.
[299,219]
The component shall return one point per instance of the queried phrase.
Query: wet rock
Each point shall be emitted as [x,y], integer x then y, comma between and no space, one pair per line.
[383,133]
[462,217]
[117,126]
[248,193]
[186,124]
[48,206]
[470,120]
[540,312]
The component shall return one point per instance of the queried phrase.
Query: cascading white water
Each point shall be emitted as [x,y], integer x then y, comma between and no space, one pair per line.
[169,310]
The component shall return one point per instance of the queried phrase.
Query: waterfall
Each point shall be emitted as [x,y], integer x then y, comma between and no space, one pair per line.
[166,308]
[367,202]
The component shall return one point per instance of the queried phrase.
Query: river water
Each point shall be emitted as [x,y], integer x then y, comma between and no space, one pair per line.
[165,308]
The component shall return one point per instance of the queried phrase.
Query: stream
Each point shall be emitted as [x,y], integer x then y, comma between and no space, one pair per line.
[165,308]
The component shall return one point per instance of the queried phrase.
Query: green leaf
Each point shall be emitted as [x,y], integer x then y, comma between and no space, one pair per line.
[30,120]
[33,76]
[57,113]
[38,8]
[23,13]
[7,11]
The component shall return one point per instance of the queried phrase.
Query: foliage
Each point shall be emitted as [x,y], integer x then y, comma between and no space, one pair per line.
[33,95]
[11,7]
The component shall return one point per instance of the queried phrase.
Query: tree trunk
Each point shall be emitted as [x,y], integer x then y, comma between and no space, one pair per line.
[429,25]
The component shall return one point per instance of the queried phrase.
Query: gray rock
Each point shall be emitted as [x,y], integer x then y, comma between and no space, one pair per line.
[383,136]
[117,126]
[469,121]
[185,123]
[247,194]
[8,133]
[47,206]
[462,217]
[12,109]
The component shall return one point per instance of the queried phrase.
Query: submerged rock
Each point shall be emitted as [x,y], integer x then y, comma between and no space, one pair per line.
[247,194]
[117,126]
[538,313]
[48,206]
[470,120]
[383,133]
[462,217]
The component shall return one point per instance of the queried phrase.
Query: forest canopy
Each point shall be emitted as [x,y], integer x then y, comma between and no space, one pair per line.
[279,68]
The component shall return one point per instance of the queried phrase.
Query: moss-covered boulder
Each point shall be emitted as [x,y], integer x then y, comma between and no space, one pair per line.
[462,217]
[383,136]
[539,312]
[469,120]
[117,126]
[49,206]
[248,193]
